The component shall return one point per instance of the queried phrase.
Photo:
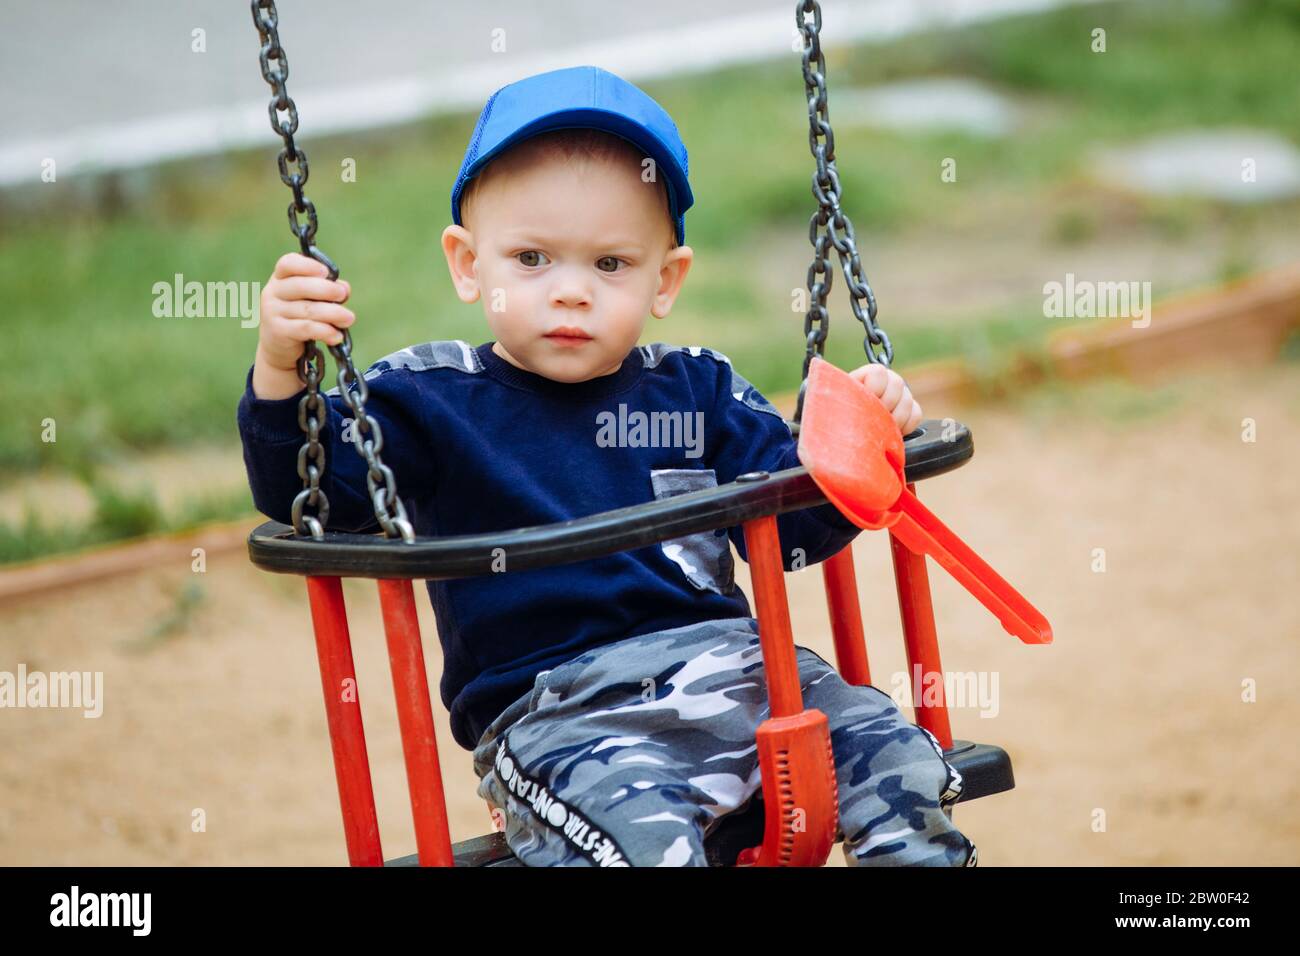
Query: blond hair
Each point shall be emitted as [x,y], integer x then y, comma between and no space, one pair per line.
[581,144]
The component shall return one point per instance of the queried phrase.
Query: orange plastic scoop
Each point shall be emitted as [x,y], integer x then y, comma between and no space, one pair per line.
[853,449]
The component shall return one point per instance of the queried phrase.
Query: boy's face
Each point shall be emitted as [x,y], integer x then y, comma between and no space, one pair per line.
[569,257]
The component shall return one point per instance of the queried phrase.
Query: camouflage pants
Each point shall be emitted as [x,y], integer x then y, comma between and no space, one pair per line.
[629,754]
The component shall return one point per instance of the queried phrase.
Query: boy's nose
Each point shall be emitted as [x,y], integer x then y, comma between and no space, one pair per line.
[570,292]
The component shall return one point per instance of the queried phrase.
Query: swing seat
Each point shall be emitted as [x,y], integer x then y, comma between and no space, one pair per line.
[752,501]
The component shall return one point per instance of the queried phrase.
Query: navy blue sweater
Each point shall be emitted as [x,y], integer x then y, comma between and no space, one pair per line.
[479,445]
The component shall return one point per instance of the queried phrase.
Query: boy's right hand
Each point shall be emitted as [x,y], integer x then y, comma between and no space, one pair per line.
[299,303]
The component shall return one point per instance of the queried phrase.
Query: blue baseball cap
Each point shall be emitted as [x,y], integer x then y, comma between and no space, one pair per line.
[579,97]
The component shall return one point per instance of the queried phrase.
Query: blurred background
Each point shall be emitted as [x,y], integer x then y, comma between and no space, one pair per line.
[986,150]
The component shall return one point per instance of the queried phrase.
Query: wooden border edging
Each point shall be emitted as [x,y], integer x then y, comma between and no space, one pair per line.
[48,574]
[1248,320]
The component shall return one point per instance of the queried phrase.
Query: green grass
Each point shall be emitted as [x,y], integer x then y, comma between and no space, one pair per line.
[118,514]
[77,273]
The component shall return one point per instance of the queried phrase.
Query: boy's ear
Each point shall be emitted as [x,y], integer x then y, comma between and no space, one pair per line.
[671,276]
[458,248]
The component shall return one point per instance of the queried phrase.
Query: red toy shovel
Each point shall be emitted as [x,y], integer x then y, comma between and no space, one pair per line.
[853,450]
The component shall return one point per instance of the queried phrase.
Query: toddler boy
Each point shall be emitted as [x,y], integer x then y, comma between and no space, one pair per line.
[611,704]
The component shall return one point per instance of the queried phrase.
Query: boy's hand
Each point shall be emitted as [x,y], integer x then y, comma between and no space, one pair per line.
[299,302]
[890,388]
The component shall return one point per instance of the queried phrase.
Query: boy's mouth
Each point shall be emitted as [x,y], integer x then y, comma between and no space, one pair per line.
[567,335]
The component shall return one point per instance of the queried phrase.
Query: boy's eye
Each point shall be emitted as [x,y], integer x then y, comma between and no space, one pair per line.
[531,257]
[607,263]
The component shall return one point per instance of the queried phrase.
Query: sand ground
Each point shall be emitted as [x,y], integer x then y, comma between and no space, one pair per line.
[1131,739]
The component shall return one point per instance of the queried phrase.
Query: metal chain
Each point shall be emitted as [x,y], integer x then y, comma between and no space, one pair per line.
[367,436]
[830,225]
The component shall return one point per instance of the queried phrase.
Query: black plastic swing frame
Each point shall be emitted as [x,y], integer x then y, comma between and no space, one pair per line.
[275,547]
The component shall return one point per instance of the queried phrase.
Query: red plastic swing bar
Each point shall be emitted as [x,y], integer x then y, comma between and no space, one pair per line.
[846,617]
[414,719]
[338,679]
[800,795]
[920,639]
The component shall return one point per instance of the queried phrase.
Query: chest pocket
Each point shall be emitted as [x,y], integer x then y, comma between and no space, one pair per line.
[704,557]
